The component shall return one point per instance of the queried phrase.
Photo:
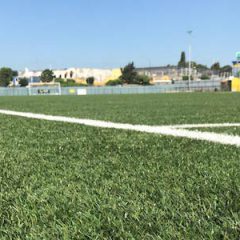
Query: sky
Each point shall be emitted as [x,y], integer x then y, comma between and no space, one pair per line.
[111,33]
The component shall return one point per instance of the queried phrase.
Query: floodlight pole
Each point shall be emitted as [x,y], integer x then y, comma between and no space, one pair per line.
[190,59]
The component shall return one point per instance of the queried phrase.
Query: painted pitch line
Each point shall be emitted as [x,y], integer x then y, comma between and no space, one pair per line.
[174,131]
[207,125]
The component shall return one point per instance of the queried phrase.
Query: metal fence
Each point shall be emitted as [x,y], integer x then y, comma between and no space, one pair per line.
[179,86]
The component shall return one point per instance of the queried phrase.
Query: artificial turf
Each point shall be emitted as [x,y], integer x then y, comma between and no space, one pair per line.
[149,109]
[66,181]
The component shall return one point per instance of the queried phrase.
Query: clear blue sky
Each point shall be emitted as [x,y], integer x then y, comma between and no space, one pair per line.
[110,33]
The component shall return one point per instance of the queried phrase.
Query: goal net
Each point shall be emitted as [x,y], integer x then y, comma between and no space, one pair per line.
[44,89]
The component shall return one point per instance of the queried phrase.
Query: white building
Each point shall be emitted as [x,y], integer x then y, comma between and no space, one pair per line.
[78,74]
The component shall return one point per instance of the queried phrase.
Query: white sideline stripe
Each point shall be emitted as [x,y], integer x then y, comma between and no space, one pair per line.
[207,125]
[163,130]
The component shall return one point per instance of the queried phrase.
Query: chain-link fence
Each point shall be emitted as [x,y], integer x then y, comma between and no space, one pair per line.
[178,86]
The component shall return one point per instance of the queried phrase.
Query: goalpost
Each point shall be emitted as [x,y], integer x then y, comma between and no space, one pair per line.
[44,89]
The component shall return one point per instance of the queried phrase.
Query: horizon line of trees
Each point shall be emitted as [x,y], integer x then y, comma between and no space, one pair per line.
[215,67]
[129,75]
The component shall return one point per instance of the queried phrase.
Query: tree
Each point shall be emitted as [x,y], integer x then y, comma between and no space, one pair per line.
[182,63]
[129,74]
[90,80]
[6,76]
[15,73]
[201,67]
[215,66]
[226,69]
[47,76]
[23,82]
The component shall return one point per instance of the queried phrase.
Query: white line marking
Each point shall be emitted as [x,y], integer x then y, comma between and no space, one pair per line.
[207,125]
[175,131]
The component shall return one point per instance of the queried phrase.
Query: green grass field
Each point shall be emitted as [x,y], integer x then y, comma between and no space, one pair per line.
[67,181]
[147,109]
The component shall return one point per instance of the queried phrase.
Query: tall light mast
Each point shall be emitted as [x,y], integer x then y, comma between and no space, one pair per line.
[190,58]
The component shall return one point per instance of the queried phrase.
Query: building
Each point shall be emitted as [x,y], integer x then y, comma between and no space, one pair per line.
[33,76]
[160,74]
[80,75]
[235,83]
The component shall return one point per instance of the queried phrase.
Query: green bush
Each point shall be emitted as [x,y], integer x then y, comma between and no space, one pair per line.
[114,82]
[90,80]
[142,80]
[139,79]
[185,78]
[205,77]
[23,82]
[71,81]
[60,80]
